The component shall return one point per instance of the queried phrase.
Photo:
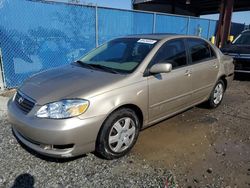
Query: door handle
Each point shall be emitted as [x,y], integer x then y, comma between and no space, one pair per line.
[188,73]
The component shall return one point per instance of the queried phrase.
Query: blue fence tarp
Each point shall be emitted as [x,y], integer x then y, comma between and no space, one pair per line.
[114,23]
[171,24]
[35,36]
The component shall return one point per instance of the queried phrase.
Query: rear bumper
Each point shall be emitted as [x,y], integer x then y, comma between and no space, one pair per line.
[55,138]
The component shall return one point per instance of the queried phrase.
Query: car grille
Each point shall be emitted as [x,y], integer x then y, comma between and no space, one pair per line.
[24,103]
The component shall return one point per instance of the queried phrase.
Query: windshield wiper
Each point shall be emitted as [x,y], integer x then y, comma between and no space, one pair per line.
[108,69]
[85,64]
[97,66]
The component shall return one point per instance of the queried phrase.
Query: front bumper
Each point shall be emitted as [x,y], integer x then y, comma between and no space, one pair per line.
[55,138]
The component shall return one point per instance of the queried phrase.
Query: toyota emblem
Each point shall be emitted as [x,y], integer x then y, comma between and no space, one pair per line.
[20,100]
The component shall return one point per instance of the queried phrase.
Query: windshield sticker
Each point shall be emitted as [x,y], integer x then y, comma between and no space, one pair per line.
[147,41]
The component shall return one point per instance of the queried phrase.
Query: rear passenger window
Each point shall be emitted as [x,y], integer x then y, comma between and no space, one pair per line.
[173,52]
[199,50]
[213,55]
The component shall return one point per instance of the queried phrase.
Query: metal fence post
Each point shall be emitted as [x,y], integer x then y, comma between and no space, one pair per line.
[154,22]
[96,26]
[208,32]
[188,25]
[1,72]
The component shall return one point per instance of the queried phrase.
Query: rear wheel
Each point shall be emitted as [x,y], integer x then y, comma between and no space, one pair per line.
[216,95]
[118,134]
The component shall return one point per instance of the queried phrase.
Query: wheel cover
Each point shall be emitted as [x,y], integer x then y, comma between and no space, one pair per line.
[218,93]
[122,134]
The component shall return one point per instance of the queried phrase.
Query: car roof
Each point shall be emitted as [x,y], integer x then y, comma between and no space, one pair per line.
[246,31]
[158,36]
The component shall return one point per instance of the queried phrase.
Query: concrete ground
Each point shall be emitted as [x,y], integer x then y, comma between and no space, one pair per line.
[197,148]
[3,105]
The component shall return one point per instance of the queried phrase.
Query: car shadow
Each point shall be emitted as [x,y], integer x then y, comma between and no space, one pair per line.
[47,158]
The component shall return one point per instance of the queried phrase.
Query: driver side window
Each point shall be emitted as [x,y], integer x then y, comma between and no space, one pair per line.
[173,52]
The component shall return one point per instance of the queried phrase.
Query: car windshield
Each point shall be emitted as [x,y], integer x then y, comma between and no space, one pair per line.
[243,39]
[120,55]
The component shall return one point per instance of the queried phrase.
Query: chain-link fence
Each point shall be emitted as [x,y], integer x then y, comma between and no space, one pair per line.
[35,35]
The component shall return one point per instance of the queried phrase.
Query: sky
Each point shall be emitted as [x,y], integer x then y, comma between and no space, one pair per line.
[238,17]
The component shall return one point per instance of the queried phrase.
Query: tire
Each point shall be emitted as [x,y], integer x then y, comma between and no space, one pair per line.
[216,95]
[118,134]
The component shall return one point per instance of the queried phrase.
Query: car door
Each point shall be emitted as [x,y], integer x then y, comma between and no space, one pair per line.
[205,68]
[169,92]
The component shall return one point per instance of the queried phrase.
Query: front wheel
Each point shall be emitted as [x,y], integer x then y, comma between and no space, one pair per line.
[118,134]
[216,95]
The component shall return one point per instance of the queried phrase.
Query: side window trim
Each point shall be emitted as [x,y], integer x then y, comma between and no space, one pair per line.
[188,52]
[212,51]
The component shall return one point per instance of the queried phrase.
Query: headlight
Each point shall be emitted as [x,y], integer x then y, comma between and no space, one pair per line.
[63,109]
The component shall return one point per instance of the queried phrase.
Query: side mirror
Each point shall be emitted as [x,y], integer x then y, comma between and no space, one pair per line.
[161,68]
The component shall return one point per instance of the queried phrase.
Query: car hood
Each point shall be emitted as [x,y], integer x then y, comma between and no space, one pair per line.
[68,82]
[238,49]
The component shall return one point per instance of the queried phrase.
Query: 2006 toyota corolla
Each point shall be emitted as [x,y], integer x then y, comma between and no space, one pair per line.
[101,102]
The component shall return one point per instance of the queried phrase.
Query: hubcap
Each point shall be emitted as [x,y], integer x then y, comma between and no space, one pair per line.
[122,134]
[218,93]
